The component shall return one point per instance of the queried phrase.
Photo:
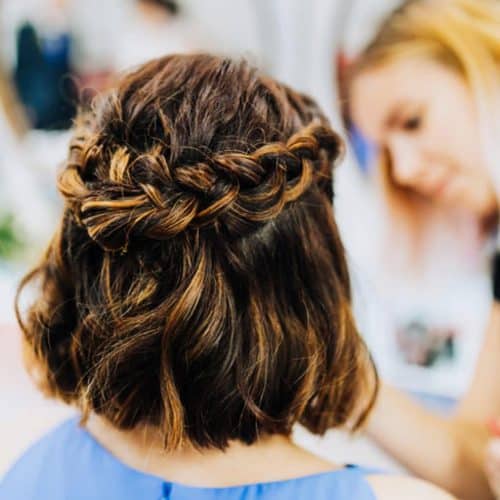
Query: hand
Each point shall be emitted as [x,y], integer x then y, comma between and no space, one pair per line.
[492,465]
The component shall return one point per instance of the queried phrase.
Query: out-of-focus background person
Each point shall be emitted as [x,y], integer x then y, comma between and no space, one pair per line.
[422,107]
[422,295]
[424,246]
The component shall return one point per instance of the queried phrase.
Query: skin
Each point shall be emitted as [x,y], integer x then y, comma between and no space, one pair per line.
[456,453]
[424,115]
[272,458]
[493,465]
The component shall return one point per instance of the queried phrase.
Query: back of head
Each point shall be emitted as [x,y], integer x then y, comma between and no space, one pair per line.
[197,282]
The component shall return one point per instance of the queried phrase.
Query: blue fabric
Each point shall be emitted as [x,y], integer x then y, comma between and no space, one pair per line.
[69,464]
[364,150]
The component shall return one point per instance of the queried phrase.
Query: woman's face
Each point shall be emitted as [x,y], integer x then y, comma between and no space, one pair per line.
[424,115]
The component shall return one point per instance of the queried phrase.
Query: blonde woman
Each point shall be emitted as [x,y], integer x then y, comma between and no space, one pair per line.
[426,93]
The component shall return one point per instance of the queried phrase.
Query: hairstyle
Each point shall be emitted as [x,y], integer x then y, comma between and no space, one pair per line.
[197,281]
[461,34]
[464,36]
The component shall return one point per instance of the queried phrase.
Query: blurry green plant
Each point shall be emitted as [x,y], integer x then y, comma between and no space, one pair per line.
[10,243]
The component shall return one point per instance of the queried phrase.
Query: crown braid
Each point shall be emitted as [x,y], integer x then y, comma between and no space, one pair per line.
[234,192]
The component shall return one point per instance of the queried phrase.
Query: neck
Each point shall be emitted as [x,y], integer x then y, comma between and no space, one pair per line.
[272,458]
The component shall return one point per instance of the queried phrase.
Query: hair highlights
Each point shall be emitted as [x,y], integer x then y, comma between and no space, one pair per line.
[198,282]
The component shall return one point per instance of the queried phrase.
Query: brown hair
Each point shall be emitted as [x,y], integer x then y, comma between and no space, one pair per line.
[197,281]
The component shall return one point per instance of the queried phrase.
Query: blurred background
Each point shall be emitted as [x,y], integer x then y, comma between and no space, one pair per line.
[424,331]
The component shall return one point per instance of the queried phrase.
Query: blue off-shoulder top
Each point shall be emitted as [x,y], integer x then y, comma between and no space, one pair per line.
[69,464]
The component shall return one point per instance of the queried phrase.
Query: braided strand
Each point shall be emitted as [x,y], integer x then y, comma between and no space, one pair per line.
[228,190]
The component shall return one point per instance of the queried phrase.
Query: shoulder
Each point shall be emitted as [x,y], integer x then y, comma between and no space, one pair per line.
[50,444]
[37,461]
[386,487]
[68,463]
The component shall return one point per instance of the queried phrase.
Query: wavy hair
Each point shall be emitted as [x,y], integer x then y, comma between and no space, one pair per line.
[197,281]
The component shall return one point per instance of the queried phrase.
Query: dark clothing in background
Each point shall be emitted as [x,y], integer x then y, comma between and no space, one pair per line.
[42,78]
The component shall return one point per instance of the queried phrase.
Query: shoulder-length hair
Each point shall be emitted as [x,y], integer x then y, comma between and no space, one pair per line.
[197,281]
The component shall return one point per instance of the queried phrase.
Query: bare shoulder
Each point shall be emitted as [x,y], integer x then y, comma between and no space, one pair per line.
[387,487]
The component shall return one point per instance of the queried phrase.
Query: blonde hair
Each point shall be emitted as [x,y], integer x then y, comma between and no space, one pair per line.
[463,35]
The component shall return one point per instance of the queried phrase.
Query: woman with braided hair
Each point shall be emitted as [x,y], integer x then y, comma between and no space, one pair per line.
[195,302]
